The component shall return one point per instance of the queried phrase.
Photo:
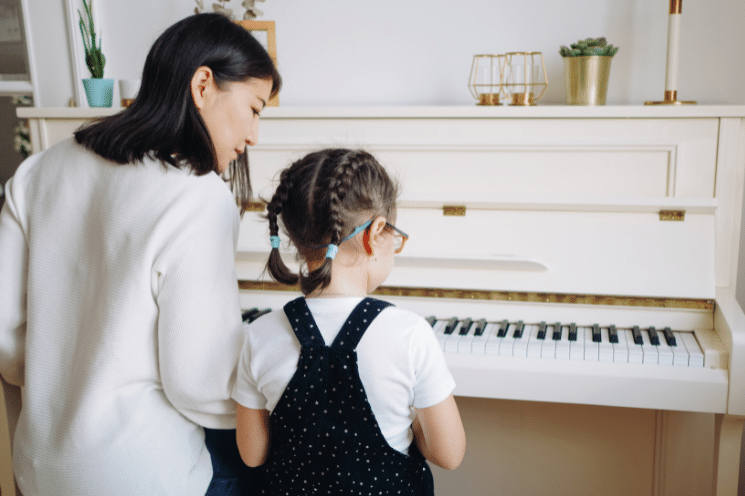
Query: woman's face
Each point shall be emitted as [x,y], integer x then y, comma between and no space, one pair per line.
[231,114]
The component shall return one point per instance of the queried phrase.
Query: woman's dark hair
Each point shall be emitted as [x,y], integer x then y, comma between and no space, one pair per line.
[320,199]
[163,122]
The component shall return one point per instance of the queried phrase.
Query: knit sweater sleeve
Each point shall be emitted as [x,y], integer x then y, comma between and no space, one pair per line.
[199,319]
[13,275]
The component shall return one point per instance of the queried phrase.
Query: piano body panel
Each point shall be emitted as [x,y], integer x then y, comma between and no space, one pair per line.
[555,251]
[729,320]
[584,155]
[545,449]
[593,383]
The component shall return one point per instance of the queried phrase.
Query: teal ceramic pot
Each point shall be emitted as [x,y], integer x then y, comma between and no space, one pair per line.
[99,92]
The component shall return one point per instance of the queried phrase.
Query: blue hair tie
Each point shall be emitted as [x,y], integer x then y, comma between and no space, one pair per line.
[331,251]
[275,241]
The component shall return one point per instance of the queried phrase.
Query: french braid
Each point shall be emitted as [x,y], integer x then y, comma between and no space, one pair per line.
[319,200]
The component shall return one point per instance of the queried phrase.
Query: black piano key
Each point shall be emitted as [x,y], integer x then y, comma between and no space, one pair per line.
[431,320]
[669,337]
[595,333]
[503,326]
[654,338]
[519,327]
[572,332]
[451,325]
[465,326]
[541,330]
[259,314]
[480,326]
[612,334]
[637,335]
[556,335]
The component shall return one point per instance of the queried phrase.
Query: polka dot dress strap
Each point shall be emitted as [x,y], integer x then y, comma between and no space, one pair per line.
[302,323]
[357,323]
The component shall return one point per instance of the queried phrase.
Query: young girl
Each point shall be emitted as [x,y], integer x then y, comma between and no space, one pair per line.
[340,393]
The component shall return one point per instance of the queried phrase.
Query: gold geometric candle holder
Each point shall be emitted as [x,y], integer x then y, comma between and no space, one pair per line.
[525,74]
[485,81]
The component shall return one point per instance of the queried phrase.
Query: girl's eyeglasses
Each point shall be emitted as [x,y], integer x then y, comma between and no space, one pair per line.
[399,237]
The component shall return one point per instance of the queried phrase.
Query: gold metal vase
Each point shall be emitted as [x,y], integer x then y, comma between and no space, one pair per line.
[586,79]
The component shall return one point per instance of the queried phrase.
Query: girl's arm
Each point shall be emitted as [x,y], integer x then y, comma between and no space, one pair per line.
[439,434]
[253,434]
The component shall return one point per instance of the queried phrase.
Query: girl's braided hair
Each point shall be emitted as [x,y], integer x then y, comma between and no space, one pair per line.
[320,199]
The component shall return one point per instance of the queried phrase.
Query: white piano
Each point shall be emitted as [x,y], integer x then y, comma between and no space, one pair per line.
[573,226]
[617,221]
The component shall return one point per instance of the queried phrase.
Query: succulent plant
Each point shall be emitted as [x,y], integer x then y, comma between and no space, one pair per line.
[94,58]
[589,46]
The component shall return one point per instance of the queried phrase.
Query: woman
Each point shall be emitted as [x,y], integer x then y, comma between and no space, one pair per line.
[120,311]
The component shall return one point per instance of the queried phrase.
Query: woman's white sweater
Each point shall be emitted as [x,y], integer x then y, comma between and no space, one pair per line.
[119,313]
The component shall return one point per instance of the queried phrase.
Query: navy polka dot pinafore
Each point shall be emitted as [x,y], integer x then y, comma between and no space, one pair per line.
[325,439]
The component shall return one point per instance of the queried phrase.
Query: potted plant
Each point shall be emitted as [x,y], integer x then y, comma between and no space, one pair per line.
[586,70]
[98,91]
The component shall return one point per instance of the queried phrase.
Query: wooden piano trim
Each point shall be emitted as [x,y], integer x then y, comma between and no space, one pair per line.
[512,296]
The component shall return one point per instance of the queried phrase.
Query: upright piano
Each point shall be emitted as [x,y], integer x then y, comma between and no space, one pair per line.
[539,236]
[579,268]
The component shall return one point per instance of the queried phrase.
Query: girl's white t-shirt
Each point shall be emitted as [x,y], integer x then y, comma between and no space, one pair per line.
[399,360]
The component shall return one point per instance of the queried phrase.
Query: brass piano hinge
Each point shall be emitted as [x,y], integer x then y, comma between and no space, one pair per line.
[672,215]
[254,206]
[454,210]
[511,296]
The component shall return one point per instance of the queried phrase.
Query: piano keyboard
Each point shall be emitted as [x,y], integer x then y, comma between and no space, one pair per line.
[560,341]
[563,341]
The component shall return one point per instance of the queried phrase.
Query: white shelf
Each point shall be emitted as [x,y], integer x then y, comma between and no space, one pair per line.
[10,88]
[445,112]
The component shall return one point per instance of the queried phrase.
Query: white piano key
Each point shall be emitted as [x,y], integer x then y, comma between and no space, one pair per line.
[592,350]
[464,343]
[439,329]
[605,347]
[562,345]
[664,352]
[577,348]
[648,349]
[620,349]
[478,345]
[493,341]
[505,346]
[695,355]
[520,348]
[535,344]
[548,350]
[680,353]
[450,345]
[635,351]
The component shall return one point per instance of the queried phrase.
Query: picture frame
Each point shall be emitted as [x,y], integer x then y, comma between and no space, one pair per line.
[264,32]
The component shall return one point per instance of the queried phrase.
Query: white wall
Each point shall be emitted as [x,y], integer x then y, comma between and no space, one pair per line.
[416,52]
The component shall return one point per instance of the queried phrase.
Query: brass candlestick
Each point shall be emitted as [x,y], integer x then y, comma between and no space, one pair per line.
[673,52]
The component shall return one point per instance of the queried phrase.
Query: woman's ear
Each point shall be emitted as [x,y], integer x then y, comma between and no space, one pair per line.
[202,84]
[371,238]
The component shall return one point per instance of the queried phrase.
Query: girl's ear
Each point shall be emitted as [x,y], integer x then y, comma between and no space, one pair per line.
[371,238]
[202,83]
